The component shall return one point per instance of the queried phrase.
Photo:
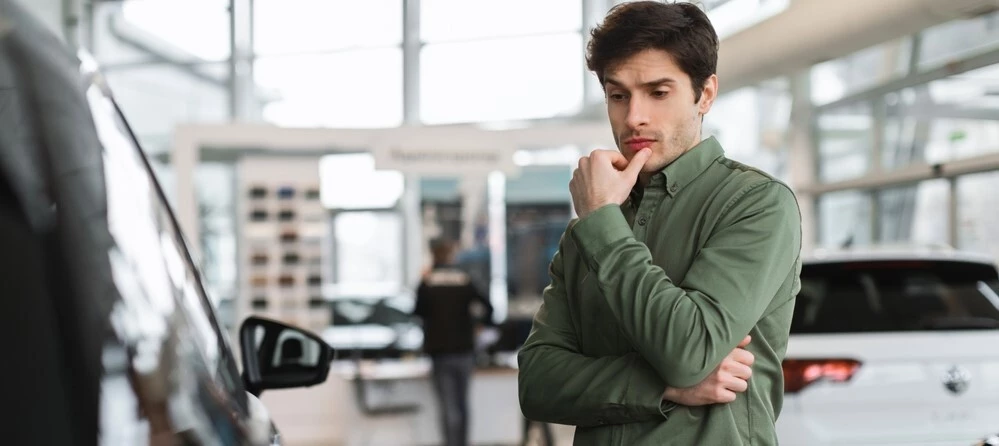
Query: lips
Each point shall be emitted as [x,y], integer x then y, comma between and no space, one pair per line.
[637,144]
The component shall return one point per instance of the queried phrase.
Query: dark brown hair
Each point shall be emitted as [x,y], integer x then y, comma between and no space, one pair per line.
[681,29]
[443,250]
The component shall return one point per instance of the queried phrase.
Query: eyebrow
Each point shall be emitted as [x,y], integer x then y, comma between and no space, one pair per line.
[649,84]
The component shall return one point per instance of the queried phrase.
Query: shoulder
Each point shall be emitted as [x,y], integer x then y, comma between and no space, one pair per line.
[447,277]
[743,183]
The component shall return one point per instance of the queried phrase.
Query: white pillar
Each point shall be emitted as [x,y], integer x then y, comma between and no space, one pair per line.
[802,157]
[498,294]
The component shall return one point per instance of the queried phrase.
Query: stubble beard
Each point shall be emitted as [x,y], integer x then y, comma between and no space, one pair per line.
[680,142]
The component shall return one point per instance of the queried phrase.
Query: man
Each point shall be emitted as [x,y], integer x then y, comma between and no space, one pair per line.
[671,296]
[444,302]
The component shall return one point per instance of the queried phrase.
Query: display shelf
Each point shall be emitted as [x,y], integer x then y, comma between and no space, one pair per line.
[283,233]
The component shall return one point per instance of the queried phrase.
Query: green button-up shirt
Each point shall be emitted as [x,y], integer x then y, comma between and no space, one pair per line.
[655,293]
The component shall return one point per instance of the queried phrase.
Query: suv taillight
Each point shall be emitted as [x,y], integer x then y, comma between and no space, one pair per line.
[800,373]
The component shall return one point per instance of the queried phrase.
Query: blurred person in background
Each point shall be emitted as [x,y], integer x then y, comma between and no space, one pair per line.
[671,296]
[445,302]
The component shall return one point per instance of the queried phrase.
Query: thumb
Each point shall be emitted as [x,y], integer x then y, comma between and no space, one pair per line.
[637,162]
[745,341]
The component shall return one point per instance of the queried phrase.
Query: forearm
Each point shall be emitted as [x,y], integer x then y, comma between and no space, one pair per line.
[683,339]
[560,386]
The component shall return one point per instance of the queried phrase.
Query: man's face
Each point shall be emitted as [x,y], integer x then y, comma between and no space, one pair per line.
[650,102]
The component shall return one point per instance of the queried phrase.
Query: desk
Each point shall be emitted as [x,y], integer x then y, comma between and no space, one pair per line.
[494,403]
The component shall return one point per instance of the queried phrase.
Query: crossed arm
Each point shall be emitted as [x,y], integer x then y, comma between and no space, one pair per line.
[681,332]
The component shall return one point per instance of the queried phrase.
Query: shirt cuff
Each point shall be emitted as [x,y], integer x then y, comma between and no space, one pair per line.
[600,230]
[645,389]
[665,406]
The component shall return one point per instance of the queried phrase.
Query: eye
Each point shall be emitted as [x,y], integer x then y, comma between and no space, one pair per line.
[617,97]
[660,93]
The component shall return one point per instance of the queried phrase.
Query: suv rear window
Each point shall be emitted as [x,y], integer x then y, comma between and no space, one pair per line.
[916,295]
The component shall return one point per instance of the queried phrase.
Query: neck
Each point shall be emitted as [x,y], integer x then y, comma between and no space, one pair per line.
[644,178]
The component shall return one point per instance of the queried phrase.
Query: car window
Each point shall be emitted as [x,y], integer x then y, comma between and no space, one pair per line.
[180,372]
[851,297]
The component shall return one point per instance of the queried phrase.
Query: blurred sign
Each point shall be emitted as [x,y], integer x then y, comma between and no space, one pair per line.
[449,161]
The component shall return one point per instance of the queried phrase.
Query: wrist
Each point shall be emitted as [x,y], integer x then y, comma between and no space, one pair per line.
[583,213]
[669,401]
[670,394]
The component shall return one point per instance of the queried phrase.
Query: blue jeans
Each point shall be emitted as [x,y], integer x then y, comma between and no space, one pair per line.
[452,374]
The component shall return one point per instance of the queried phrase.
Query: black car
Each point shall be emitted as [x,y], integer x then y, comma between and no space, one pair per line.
[110,337]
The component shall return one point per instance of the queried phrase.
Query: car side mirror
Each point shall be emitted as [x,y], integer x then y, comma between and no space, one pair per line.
[280,356]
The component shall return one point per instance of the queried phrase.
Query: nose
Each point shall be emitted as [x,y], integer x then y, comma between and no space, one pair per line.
[638,113]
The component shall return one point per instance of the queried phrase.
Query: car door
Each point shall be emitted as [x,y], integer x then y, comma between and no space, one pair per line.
[170,375]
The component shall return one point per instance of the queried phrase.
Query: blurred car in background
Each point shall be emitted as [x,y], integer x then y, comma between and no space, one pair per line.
[991,440]
[111,337]
[893,347]
[373,326]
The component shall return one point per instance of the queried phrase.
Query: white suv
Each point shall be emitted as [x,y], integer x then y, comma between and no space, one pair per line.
[893,348]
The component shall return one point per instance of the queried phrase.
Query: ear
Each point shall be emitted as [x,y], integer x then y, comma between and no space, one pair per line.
[708,95]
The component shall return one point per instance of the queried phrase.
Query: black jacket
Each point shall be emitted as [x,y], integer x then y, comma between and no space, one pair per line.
[444,303]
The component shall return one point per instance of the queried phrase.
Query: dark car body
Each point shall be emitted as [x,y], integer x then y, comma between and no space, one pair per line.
[111,336]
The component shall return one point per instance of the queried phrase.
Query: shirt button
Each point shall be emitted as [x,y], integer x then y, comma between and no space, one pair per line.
[642,221]
[673,187]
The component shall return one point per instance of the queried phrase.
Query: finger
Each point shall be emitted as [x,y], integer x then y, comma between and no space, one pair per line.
[619,161]
[637,162]
[739,370]
[743,356]
[597,156]
[745,341]
[724,396]
[736,385]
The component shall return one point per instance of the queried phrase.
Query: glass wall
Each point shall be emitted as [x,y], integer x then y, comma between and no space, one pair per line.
[162,74]
[330,64]
[978,227]
[845,142]
[216,213]
[874,121]
[538,210]
[837,78]
[944,120]
[960,38]
[752,124]
[367,248]
[845,219]
[501,79]
[492,62]
[915,213]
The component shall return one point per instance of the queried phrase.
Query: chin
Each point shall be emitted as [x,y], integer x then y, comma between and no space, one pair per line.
[652,168]
[654,164]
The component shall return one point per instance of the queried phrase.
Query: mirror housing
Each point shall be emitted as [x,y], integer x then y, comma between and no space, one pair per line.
[279,356]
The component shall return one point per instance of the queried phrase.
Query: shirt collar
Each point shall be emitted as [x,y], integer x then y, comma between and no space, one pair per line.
[682,171]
